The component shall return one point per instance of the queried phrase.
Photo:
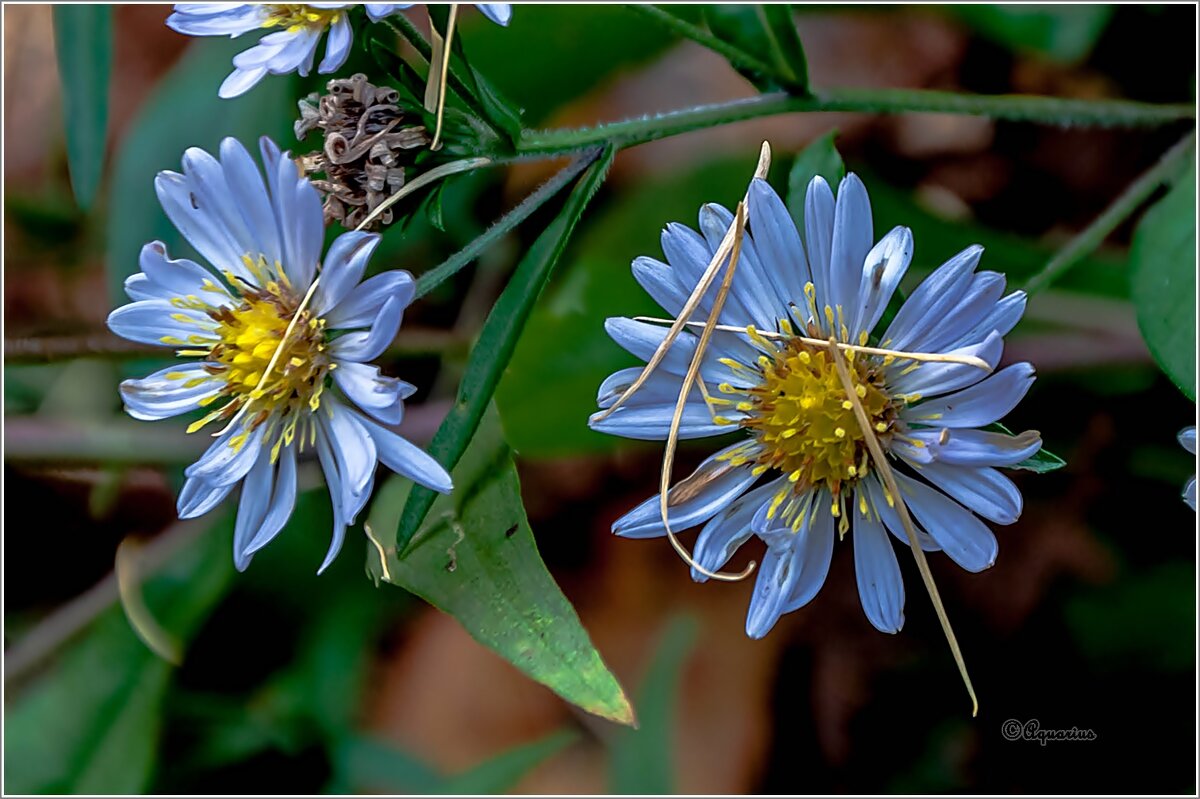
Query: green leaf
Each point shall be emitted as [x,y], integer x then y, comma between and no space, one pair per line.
[1042,461]
[642,759]
[367,763]
[1063,33]
[1163,277]
[83,44]
[475,559]
[764,33]
[498,339]
[91,723]
[504,771]
[820,157]
[184,111]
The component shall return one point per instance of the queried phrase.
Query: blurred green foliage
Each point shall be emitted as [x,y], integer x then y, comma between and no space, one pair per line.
[1062,33]
[83,44]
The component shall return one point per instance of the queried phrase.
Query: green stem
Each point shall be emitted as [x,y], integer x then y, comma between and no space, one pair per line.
[1091,237]
[498,340]
[1014,107]
[448,268]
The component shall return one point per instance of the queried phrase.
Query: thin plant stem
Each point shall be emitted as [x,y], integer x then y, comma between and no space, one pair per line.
[1015,107]
[1164,171]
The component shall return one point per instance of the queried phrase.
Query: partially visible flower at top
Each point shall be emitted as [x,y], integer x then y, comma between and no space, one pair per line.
[260,323]
[293,47]
[1187,437]
[800,432]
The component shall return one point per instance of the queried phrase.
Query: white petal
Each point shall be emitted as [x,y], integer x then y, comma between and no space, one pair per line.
[369,344]
[337,46]
[240,81]
[169,392]
[343,268]
[360,307]
[378,395]
[407,459]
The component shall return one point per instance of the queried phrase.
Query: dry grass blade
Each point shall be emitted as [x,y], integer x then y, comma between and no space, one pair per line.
[129,586]
[889,479]
[902,355]
[441,62]
[424,179]
[738,230]
[693,301]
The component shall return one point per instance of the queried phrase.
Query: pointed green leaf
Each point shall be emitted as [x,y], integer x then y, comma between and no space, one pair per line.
[498,339]
[642,759]
[766,34]
[91,723]
[475,558]
[83,43]
[1163,280]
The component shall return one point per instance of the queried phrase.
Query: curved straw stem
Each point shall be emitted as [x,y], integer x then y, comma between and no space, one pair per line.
[443,74]
[889,479]
[664,482]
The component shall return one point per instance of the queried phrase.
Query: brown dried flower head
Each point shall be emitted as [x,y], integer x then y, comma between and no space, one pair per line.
[363,158]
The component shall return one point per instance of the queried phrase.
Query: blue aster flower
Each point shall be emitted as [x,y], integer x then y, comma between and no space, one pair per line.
[281,340]
[800,469]
[292,46]
[1187,437]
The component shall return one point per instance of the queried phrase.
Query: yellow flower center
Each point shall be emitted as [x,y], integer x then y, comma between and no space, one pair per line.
[272,362]
[803,421]
[295,16]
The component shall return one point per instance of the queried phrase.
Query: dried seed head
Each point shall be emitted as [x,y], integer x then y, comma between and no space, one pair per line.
[367,147]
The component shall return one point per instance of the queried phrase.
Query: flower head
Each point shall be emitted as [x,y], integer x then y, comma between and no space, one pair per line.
[295,33]
[1187,437]
[800,470]
[281,341]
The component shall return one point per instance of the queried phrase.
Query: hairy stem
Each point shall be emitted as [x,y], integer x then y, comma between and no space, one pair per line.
[1016,107]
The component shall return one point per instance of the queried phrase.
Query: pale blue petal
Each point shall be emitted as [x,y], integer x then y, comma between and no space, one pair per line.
[337,46]
[976,303]
[222,464]
[853,234]
[877,503]
[354,451]
[883,269]
[252,507]
[369,344]
[377,11]
[249,194]
[197,223]
[933,299]
[1187,439]
[969,447]
[343,269]
[981,489]
[653,422]
[283,502]
[780,251]
[815,555]
[721,485]
[657,280]
[161,397]
[378,395]
[660,388]
[880,586]
[963,537]
[500,13]
[724,533]
[240,81]
[298,215]
[330,468]
[931,379]
[641,339]
[1002,318]
[198,497]
[360,307]
[181,277]
[1189,492]
[988,401]
[777,575]
[152,321]
[819,206]
[406,459]
[750,300]
[215,19]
